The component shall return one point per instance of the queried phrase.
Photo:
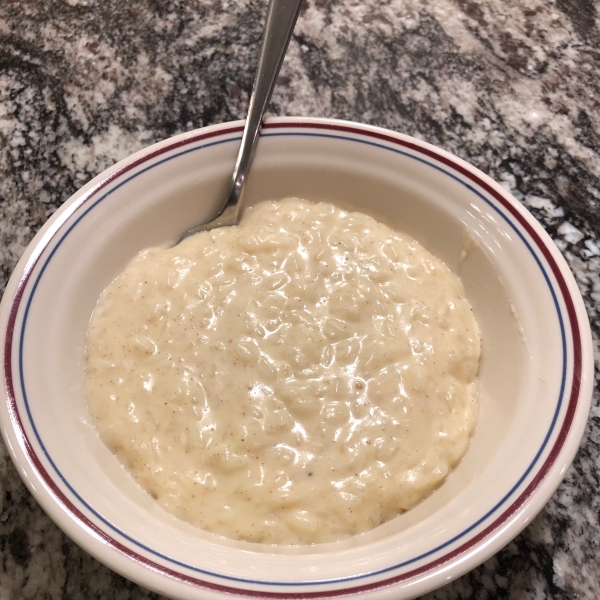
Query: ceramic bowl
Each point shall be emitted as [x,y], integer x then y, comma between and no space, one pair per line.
[535,374]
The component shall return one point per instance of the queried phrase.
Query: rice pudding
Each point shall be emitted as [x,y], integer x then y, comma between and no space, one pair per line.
[298,379]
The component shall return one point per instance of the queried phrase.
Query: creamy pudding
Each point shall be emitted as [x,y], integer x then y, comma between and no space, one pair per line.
[298,379]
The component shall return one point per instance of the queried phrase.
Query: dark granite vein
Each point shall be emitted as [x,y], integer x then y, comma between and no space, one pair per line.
[511,86]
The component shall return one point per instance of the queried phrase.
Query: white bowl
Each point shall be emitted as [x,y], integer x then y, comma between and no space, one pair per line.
[535,377]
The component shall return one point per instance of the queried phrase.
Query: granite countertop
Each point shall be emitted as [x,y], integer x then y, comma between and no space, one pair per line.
[511,86]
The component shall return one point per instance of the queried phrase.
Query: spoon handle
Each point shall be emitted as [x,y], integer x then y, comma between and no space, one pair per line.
[279,25]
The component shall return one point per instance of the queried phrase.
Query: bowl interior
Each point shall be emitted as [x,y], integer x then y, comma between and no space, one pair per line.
[520,374]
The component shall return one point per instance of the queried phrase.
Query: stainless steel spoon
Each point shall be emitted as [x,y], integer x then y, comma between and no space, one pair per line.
[279,25]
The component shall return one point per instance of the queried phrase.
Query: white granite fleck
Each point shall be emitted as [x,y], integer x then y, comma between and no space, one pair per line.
[550,209]
[571,234]
[102,151]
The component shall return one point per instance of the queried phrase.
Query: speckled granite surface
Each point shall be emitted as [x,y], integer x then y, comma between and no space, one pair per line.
[512,86]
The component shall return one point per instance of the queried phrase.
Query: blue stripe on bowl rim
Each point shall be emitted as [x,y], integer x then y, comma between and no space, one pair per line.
[527,228]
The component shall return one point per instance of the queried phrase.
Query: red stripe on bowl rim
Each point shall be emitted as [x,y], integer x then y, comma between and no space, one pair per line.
[346,128]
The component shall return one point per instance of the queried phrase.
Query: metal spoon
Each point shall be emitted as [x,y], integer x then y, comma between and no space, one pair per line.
[279,25]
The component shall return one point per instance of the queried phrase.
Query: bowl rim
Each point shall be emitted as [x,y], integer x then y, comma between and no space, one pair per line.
[512,520]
